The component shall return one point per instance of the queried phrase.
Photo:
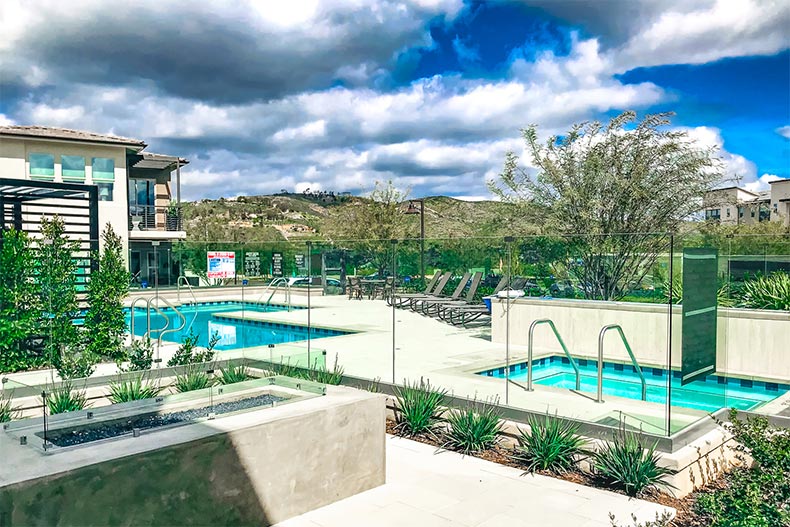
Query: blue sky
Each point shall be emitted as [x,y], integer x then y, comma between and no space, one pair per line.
[264,96]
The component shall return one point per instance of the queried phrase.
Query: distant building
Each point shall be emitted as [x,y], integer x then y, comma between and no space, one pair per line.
[738,206]
[92,180]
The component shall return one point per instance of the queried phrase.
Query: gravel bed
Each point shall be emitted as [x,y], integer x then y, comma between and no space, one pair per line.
[91,432]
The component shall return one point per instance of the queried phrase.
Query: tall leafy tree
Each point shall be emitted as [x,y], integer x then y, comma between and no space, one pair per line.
[107,286]
[614,192]
[367,226]
[56,276]
[20,307]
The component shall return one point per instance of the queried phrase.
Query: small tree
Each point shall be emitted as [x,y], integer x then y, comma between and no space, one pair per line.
[108,285]
[20,308]
[56,276]
[368,226]
[614,192]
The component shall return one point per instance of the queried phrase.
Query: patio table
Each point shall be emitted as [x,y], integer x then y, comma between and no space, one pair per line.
[369,285]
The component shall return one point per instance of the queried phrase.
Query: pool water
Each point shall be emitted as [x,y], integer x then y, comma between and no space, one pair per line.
[205,319]
[711,394]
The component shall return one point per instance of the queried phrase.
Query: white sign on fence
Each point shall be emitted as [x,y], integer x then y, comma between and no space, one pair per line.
[221,264]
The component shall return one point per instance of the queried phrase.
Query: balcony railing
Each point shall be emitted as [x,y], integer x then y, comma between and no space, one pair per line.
[151,218]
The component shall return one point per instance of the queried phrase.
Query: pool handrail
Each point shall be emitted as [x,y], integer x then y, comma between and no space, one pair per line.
[601,336]
[131,312]
[276,283]
[165,330]
[562,344]
[194,298]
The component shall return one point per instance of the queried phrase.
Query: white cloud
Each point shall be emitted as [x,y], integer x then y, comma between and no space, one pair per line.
[727,28]
[5,120]
[762,183]
[784,131]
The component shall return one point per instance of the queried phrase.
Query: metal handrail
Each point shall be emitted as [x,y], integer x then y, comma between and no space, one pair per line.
[131,311]
[601,335]
[276,283]
[173,330]
[562,344]
[194,298]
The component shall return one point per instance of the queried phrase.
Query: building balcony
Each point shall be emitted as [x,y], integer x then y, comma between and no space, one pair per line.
[148,222]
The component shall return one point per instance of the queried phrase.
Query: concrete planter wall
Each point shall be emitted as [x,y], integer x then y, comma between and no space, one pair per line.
[256,468]
[751,343]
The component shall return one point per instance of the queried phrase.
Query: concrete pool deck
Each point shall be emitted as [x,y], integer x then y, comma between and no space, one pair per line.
[449,357]
[446,489]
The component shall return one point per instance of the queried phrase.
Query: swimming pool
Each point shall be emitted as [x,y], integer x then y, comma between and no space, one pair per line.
[710,394]
[205,319]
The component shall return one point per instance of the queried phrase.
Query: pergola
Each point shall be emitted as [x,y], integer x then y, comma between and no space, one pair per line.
[23,203]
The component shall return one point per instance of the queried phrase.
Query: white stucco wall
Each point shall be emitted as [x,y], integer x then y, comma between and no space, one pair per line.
[751,343]
[14,164]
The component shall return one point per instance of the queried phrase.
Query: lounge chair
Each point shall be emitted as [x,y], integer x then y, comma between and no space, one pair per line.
[428,288]
[407,299]
[461,315]
[434,307]
[420,303]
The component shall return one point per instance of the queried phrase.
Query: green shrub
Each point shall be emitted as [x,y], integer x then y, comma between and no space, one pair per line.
[133,389]
[767,292]
[233,374]
[418,408]
[75,364]
[65,398]
[7,411]
[141,355]
[625,464]
[758,496]
[474,428]
[189,353]
[551,444]
[194,378]
[663,520]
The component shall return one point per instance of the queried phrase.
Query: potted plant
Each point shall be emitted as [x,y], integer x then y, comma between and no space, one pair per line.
[173,216]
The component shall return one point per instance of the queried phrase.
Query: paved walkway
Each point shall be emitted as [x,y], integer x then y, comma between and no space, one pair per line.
[426,489]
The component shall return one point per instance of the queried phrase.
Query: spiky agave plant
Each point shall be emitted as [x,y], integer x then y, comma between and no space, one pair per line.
[193,378]
[7,410]
[767,292]
[326,376]
[626,464]
[418,408]
[133,389]
[65,398]
[474,428]
[233,374]
[550,444]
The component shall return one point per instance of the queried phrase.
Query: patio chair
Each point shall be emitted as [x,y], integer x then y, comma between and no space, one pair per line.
[420,303]
[405,299]
[354,288]
[384,289]
[433,307]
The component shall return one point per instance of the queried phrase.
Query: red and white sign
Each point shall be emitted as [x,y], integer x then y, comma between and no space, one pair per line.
[221,264]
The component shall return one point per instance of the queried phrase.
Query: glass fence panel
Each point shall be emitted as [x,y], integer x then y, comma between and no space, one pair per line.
[443,322]
[587,329]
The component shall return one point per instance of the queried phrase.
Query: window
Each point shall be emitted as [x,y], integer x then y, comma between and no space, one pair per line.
[740,212]
[713,214]
[141,195]
[765,213]
[728,212]
[105,191]
[42,166]
[73,168]
[103,170]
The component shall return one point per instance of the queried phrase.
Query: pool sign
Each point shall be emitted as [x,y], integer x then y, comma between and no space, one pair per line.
[277,264]
[252,264]
[221,264]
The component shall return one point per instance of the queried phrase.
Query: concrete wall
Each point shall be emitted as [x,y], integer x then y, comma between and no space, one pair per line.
[317,452]
[780,201]
[751,343]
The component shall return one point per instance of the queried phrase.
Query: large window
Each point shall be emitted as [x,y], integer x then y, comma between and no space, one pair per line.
[73,168]
[103,170]
[42,166]
[713,214]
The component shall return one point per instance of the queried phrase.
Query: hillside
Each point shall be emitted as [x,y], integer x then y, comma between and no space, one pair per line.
[298,216]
